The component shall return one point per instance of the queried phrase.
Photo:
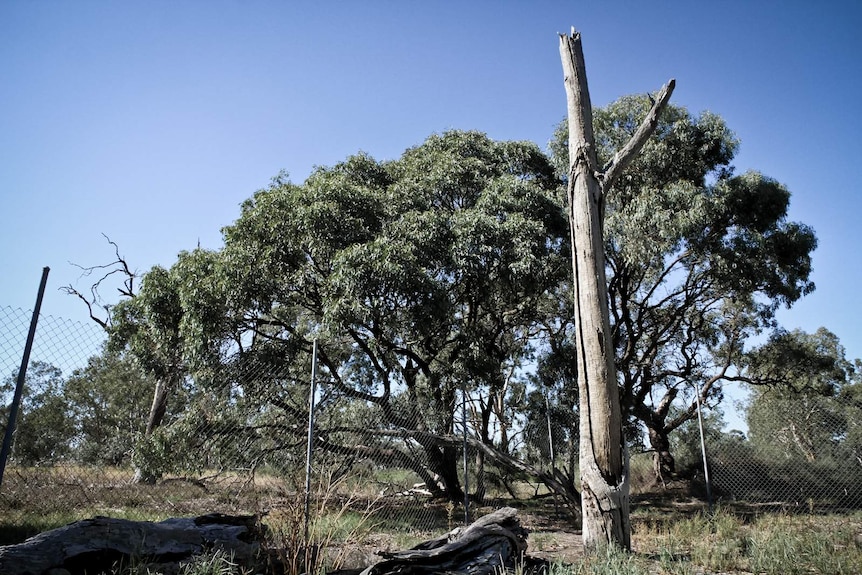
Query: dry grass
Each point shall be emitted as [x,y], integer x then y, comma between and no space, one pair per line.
[672,532]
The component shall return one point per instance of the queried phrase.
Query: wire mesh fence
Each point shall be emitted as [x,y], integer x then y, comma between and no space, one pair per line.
[91,440]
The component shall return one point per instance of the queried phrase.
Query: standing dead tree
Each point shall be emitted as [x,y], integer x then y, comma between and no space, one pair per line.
[603,453]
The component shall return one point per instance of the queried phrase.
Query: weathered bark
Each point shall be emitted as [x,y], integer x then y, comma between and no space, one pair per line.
[603,454]
[493,544]
[100,544]
[664,464]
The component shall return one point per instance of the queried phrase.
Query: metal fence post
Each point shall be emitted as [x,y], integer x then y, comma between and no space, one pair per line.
[703,452]
[22,373]
[310,446]
[466,465]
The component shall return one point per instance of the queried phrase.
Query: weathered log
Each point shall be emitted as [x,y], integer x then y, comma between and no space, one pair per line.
[102,543]
[492,544]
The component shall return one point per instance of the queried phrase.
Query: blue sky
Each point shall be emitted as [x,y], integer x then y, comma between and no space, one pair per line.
[151,121]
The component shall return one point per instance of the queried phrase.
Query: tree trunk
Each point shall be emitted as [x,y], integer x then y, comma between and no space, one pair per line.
[100,544]
[443,462]
[479,482]
[157,414]
[658,430]
[603,453]
[664,464]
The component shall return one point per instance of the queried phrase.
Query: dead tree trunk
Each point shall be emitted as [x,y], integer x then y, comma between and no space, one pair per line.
[603,454]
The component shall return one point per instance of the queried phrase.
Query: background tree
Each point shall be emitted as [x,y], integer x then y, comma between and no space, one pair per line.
[698,260]
[807,407]
[550,415]
[108,401]
[146,327]
[418,276]
[45,429]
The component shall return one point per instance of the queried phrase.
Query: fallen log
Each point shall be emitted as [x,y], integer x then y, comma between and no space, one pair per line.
[493,544]
[102,544]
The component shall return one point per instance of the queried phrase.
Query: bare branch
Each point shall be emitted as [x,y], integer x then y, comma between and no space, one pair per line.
[105,271]
[627,153]
[104,323]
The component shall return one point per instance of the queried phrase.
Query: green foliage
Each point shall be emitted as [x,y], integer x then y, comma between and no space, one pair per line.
[448,267]
[805,418]
[44,429]
[108,400]
[698,258]
[415,274]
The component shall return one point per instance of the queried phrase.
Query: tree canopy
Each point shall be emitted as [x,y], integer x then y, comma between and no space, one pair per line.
[810,405]
[698,259]
[418,276]
[445,271]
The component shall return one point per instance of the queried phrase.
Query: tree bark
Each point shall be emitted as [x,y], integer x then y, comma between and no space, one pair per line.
[100,544]
[603,453]
[664,464]
[493,544]
[157,414]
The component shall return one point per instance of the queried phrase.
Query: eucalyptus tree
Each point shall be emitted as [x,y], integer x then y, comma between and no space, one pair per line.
[143,329]
[158,326]
[808,406]
[45,431]
[698,259]
[418,276]
[109,401]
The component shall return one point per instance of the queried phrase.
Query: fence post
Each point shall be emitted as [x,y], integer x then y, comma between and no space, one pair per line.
[310,446]
[466,464]
[703,452]
[22,373]
[550,434]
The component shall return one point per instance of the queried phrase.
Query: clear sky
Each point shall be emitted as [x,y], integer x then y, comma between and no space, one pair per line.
[151,121]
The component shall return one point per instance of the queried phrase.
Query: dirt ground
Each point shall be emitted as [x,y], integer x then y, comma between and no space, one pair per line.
[550,537]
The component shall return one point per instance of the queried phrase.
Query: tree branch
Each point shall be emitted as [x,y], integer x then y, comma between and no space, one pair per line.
[627,153]
[118,266]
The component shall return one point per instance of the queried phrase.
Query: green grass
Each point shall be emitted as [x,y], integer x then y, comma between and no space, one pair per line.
[671,535]
[772,543]
[805,544]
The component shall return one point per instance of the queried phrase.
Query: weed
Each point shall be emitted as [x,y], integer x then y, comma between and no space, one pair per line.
[541,541]
[334,520]
[216,563]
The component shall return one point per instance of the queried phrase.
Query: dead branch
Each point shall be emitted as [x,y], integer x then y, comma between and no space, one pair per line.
[94,301]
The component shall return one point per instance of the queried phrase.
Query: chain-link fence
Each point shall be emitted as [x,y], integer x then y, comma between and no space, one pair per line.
[94,438]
